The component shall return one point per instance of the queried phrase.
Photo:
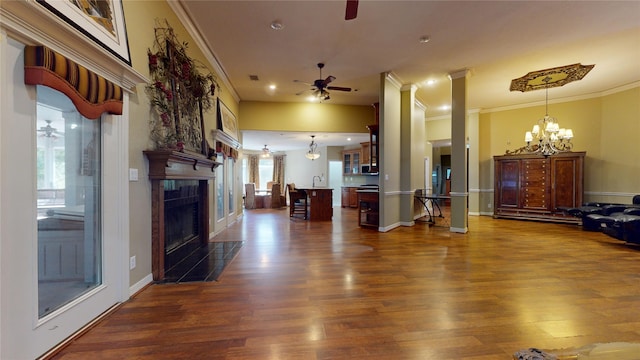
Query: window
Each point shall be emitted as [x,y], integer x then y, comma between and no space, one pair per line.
[265,169]
[69,173]
[220,191]
[230,183]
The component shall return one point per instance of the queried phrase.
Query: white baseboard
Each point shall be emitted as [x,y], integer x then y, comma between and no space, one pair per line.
[140,284]
[459,230]
[389,228]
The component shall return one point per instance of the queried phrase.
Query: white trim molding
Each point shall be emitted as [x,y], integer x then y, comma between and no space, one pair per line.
[140,284]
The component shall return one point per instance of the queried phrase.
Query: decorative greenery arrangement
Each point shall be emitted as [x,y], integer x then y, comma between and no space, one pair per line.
[181,90]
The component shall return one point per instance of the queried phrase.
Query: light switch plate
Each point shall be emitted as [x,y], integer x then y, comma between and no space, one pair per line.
[133,174]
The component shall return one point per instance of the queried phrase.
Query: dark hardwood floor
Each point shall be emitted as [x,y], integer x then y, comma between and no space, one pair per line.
[329,290]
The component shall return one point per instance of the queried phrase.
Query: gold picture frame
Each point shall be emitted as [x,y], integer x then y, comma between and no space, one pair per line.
[102,21]
[227,122]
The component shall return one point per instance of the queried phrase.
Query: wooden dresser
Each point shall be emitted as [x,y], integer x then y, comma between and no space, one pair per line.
[534,187]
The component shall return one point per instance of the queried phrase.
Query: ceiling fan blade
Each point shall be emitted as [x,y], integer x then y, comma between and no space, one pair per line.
[352,10]
[328,80]
[302,82]
[338,88]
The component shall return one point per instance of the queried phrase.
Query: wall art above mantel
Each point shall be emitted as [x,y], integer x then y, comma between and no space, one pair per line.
[181,90]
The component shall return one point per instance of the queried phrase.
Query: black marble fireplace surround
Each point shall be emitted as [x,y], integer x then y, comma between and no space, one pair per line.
[181,220]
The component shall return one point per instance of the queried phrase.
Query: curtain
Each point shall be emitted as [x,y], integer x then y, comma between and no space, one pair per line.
[278,170]
[254,172]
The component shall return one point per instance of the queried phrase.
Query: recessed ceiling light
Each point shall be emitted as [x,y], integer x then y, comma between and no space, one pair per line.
[425,39]
[272,87]
[276,25]
[348,139]
[445,107]
[430,82]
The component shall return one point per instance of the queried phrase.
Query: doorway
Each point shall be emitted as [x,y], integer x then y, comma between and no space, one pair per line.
[335,181]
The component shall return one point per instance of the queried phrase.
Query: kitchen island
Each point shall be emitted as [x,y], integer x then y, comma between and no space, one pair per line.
[320,203]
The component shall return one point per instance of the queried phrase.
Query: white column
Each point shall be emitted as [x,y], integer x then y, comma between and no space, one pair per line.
[459,192]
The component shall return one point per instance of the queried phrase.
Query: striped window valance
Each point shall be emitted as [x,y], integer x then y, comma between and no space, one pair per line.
[226,150]
[90,93]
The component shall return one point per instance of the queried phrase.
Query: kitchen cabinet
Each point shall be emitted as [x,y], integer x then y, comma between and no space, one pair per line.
[351,162]
[537,187]
[349,197]
[365,149]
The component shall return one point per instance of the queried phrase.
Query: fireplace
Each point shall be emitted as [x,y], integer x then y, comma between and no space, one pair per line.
[179,205]
[181,220]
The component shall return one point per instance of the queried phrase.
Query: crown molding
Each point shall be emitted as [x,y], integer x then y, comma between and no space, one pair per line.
[409,87]
[420,105]
[458,74]
[394,79]
[607,92]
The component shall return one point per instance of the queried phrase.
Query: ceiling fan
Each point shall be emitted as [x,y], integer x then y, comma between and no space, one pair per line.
[320,86]
[49,131]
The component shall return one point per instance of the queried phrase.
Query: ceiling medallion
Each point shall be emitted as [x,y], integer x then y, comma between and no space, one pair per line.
[554,77]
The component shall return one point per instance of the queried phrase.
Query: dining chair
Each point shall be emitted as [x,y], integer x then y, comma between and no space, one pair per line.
[252,200]
[250,196]
[298,203]
[277,198]
[270,184]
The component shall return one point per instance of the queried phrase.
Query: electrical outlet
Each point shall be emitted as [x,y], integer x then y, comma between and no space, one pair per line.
[132,262]
[489,205]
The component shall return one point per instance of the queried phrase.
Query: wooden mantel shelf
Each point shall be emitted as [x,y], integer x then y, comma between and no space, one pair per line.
[176,165]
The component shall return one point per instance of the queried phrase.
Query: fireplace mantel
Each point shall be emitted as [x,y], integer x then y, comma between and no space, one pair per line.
[176,165]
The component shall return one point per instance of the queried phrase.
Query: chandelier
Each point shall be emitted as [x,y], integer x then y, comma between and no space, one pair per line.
[266,152]
[546,137]
[313,152]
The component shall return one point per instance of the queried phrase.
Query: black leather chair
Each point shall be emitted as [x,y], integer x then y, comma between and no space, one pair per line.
[594,221]
[616,225]
[631,230]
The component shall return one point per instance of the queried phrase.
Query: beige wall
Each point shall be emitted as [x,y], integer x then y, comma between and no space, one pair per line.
[617,169]
[256,115]
[439,129]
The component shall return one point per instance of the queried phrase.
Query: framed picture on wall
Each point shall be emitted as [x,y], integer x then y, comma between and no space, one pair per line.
[227,120]
[102,21]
